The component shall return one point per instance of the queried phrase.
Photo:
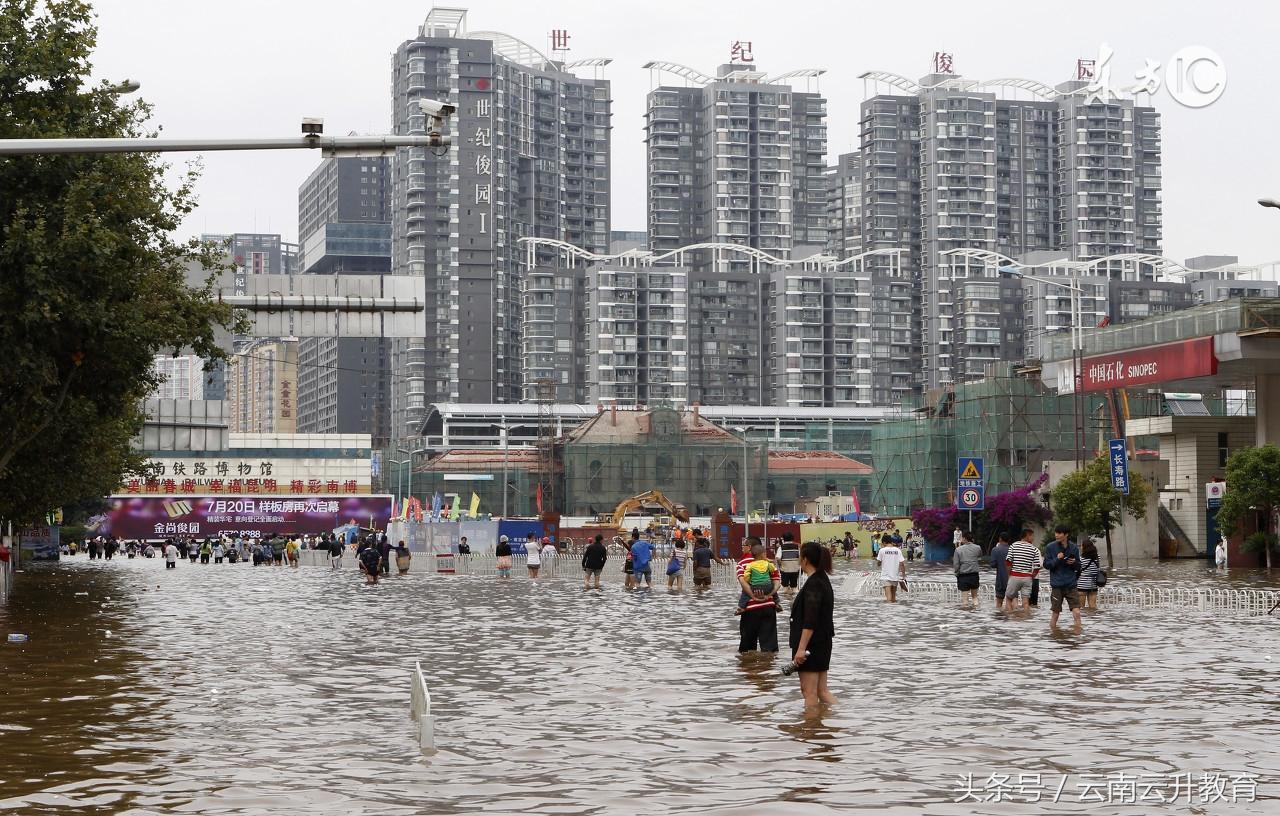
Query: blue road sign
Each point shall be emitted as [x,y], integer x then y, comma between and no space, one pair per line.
[971,489]
[1119,465]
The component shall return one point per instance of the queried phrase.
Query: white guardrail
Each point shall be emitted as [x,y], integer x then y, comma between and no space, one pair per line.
[558,566]
[1119,595]
[420,709]
[1244,602]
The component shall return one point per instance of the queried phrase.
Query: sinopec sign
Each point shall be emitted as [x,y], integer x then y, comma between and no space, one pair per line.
[1171,361]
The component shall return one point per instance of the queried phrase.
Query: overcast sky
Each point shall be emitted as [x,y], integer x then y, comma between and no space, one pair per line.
[241,68]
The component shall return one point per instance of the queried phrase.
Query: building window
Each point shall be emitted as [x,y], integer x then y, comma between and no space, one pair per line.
[664,472]
[1223,451]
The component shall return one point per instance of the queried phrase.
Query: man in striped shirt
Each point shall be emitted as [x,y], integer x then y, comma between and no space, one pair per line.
[758,626]
[1024,564]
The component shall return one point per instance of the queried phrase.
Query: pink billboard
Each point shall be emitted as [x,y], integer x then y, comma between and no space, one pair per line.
[157,517]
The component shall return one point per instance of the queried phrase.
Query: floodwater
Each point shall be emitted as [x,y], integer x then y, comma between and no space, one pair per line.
[230,689]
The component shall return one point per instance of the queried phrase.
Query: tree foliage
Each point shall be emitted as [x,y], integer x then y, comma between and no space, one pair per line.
[92,285]
[1087,502]
[1006,512]
[1253,486]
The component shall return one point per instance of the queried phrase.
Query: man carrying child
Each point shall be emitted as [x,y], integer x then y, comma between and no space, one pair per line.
[758,605]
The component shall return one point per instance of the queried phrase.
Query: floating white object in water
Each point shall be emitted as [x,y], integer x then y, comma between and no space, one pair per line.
[82,593]
[17,637]
[106,633]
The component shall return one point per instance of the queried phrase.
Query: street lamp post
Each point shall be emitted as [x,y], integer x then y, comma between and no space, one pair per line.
[410,454]
[746,495]
[399,463]
[767,502]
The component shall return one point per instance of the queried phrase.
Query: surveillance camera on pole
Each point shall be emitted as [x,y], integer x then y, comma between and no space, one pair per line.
[439,112]
[312,128]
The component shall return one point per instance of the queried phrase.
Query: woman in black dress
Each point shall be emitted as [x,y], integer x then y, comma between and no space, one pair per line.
[813,625]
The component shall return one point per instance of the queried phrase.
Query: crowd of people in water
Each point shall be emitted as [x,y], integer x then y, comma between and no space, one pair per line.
[766,573]
[274,550]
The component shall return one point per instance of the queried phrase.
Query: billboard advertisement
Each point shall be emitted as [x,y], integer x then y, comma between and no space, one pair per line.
[157,517]
[40,543]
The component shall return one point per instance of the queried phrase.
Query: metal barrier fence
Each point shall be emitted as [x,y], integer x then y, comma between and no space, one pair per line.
[1244,602]
[420,709]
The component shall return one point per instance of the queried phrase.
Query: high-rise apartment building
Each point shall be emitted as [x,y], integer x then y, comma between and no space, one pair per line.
[344,217]
[183,377]
[529,157]
[249,253]
[844,206]
[262,384]
[737,158]
[959,173]
[651,328]
[344,227]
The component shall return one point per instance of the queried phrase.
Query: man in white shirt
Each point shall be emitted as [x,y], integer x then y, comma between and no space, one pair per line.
[170,556]
[893,567]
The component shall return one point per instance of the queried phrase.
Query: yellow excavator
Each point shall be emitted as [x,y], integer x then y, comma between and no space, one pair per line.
[640,502]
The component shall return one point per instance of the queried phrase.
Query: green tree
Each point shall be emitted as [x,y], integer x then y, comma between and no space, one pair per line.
[1086,501]
[92,285]
[1253,486]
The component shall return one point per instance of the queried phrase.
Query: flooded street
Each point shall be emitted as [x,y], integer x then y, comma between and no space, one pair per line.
[230,689]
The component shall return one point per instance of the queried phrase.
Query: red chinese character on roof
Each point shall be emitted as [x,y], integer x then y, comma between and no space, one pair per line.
[215,485]
[296,486]
[269,485]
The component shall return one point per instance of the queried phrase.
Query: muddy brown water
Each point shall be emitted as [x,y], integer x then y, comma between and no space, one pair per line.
[230,689]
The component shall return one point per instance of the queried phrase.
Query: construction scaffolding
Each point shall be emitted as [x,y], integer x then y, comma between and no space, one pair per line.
[1013,422]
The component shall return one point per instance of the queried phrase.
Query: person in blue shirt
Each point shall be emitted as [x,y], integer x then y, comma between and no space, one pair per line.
[641,558]
[1062,560]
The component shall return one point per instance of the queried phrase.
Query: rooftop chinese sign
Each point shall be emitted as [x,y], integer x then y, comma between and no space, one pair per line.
[1173,361]
[232,474]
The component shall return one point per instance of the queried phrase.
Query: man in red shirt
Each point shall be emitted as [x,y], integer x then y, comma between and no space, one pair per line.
[758,626]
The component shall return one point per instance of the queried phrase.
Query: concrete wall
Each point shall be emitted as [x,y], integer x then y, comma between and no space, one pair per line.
[1189,445]
[1133,538]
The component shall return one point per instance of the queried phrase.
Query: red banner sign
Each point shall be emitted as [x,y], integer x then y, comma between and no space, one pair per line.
[1154,364]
